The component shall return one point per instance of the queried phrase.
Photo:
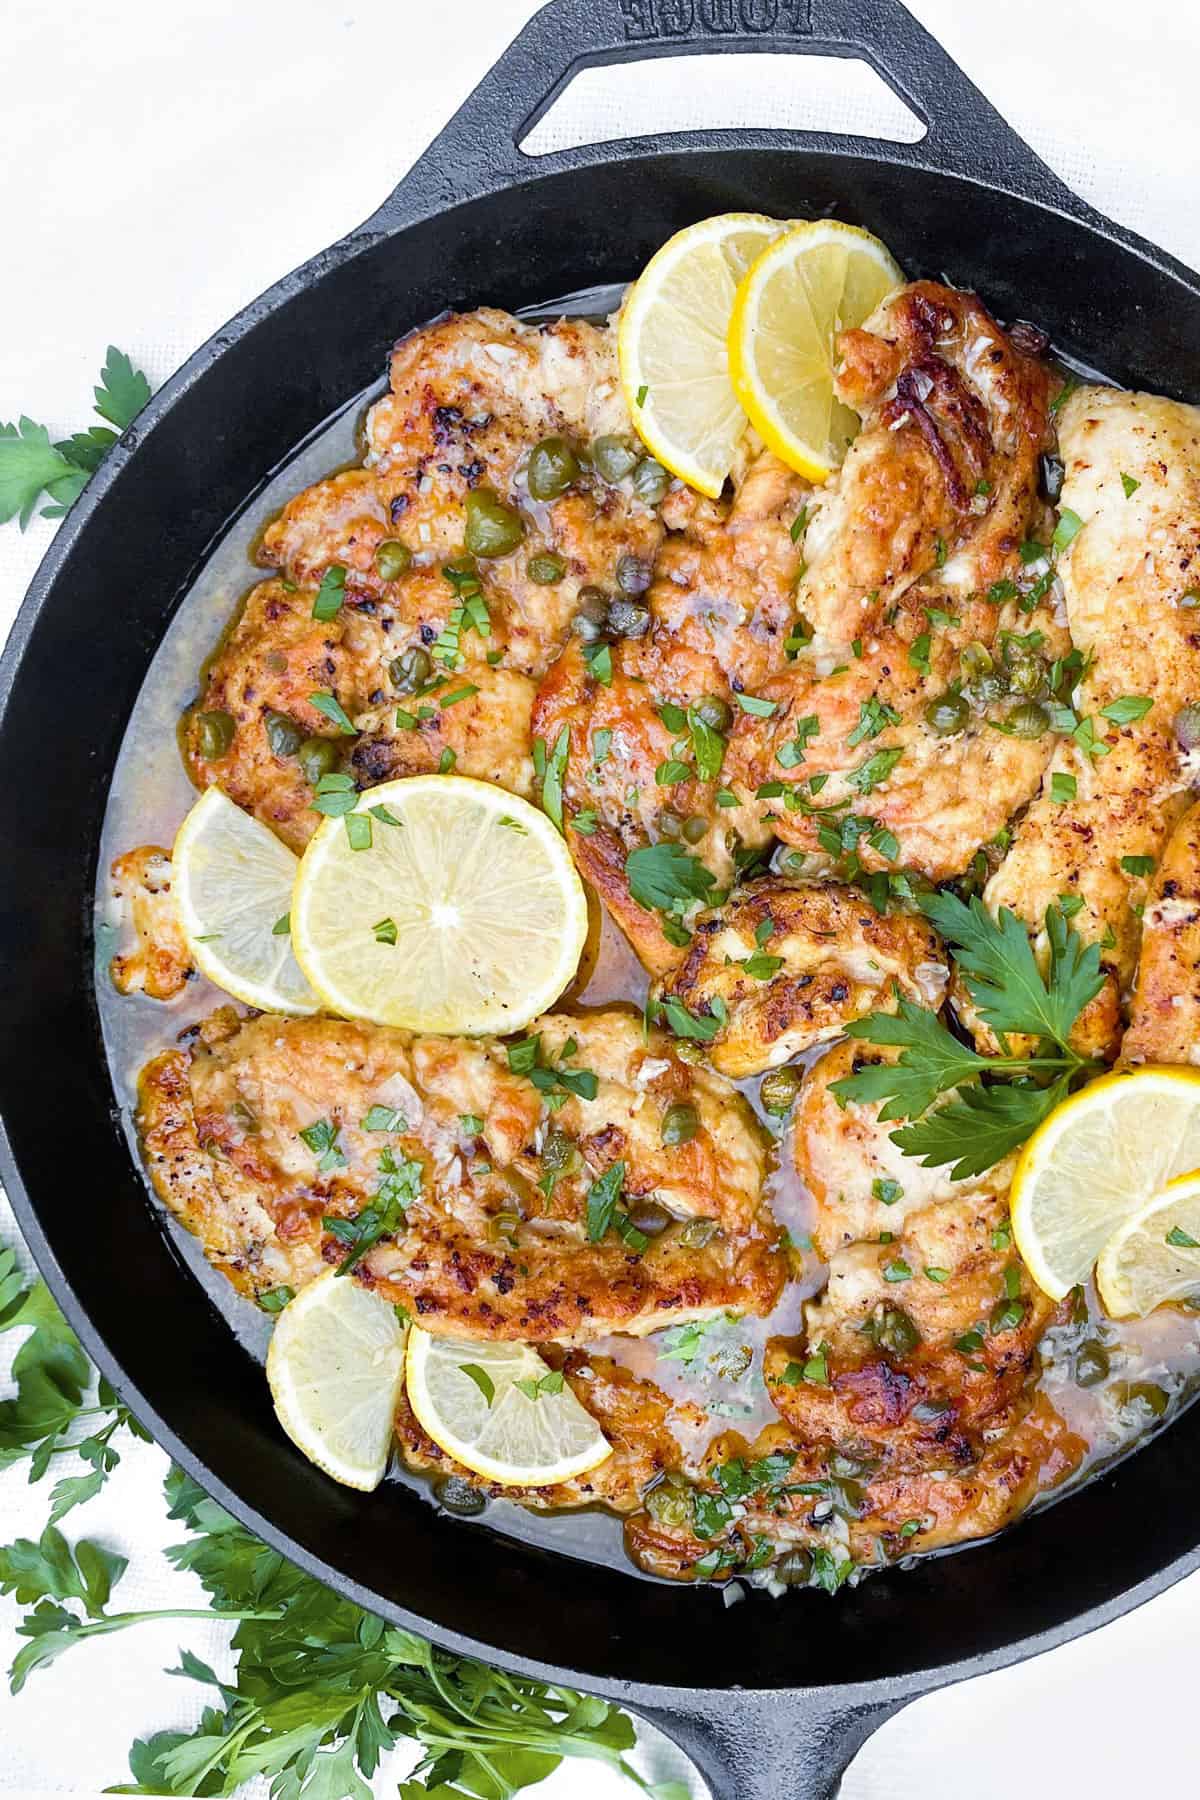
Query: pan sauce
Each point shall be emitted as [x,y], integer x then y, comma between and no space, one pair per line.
[1153,1364]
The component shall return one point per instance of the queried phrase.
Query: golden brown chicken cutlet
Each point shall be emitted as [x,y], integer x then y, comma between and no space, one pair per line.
[786,965]
[420,596]
[537,1191]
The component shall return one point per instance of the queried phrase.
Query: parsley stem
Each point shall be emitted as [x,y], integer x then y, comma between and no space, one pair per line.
[118,1621]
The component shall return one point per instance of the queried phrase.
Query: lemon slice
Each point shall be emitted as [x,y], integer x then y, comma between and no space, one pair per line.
[462,912]
[1155,1257]
[806,287]
[466,1396]
[334,1366]
[1096,1162]
[232,881]
[673,351]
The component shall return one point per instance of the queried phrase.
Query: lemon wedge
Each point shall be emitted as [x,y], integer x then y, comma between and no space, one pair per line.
[1154,1257]
[815,281]
[499,1410]
[672,346]
[334,1367]
[1096,1163]
[439,904]
[232,881]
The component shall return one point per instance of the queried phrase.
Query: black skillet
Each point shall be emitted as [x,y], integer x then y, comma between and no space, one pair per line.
[772,1699]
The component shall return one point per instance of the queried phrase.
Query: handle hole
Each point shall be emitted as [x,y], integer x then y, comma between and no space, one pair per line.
[690,93]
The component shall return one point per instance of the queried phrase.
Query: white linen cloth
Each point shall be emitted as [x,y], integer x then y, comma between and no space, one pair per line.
[161,166]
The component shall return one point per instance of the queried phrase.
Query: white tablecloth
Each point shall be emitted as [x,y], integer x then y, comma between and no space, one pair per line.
[164,163]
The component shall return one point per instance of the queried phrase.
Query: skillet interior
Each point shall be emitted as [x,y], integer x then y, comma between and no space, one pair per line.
[72,671]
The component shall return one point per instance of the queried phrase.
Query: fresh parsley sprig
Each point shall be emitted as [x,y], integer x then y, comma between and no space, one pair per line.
[33,468]
[998,1100]
[321,1689]
[54,1393]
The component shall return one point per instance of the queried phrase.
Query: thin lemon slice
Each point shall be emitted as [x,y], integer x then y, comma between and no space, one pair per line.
[1095,1163]
[461,912]
[672,346]
[806,287]
[335,1366]
[232,881]
[1154,1257]
[466,1396]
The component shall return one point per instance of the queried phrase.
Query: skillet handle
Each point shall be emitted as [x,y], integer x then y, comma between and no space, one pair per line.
[477,152]
[771,1746]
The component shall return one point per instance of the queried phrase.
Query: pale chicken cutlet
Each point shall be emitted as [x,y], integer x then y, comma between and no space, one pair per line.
[441,1168]
[1129,561]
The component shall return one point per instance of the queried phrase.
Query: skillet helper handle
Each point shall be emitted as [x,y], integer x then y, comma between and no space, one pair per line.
[477,152]
[771,1746]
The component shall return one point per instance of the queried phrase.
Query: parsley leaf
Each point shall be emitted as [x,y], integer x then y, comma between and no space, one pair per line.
[665,876]
[1001,972]
[999,1100]
[553,772]
[979,1126]
[31,466]
[931,1060]
[123,390]
[602,1198]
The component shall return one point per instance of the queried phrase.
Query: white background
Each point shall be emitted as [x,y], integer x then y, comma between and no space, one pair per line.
[160,164]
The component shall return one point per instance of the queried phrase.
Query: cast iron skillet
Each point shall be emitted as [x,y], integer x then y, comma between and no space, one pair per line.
[772,1699]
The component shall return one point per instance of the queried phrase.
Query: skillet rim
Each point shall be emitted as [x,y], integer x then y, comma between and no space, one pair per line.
[28,1215]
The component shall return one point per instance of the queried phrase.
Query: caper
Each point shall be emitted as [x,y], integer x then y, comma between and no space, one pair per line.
[986,688]
[551,469]
[634,574]
[591,615]
[670,1503]
[650,481]
[629,618]
[694,829]
[669,824]
[1091,1363]
[393,559]
[714,712]
[1187,727]
[1028,720]
[794,1569]
[845,1465]
[459,1497]
[546,569]
[698,1233]
[614,457]
[558,1151]
[411,670]
[1144,1397]
[214,733]
[318,755]
[493,529]
[283,734]
[680,1123]
[947,714]
[975,659]
[649,1217]
[1027,677]
[779,1089]
[895,1332]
